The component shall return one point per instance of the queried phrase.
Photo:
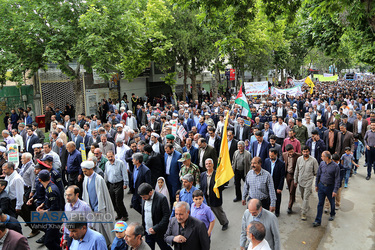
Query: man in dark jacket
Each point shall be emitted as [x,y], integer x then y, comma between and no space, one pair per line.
[316,145]
[159,213]
[141,174]
[207,183]
[5,204]
[276,168]
[155,163]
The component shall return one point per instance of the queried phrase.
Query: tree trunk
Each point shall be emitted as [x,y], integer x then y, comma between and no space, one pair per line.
[185,81]
[282,77]
[276,76]
[78,92]
[193,78]
[216,82]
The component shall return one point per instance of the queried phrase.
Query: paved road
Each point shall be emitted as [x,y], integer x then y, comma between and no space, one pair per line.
[355,218]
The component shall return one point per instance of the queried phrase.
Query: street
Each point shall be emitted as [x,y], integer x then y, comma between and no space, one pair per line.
[353,227]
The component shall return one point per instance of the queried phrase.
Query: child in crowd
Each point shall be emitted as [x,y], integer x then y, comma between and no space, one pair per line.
[347,160]
[119,241]
[202,211]
[177,200]
[359,150]
[161,187]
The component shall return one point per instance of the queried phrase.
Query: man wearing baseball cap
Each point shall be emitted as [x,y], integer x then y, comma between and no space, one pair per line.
[119,242]
[189,168]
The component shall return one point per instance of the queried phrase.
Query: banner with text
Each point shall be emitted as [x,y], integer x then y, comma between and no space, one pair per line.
[295,91]
[256,88]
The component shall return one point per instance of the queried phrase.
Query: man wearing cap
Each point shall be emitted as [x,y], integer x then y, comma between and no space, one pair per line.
[120,134]
[156,145]
[52,202]
[15,187]
[38,153]
[119,242]
[73,205]
[193,151]
[30,141]
[189,168]
[47,163]
[171,139]
[116,176]
[95,193]
[131,122]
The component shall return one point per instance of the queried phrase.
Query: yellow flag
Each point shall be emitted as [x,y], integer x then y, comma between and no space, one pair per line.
[310,83]
[224,171]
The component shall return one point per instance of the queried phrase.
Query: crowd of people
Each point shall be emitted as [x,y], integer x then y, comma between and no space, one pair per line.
[166,156]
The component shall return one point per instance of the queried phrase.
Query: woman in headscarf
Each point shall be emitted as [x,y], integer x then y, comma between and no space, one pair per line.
[161,187]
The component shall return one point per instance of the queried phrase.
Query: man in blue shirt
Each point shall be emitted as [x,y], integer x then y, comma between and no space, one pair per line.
[84,237]
[186,194]
[73,165]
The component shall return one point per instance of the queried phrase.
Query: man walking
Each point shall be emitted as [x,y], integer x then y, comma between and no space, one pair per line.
[306,168]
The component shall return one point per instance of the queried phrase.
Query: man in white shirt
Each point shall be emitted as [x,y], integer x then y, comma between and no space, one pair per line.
[256,232]
[15,188]
[18,139]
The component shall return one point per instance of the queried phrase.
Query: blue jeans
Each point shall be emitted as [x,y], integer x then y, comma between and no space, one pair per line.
[370,160]
[347,175]
[355,167]
[323,192]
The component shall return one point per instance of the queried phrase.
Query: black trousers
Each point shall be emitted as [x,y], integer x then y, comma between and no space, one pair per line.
[280,141]
[52,236]
[238,176]
[73,180]
[116,192]
[278,202]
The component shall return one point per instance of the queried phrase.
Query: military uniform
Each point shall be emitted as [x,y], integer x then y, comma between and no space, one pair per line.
[57,180]
[192,169]
[40,192]
[52,202]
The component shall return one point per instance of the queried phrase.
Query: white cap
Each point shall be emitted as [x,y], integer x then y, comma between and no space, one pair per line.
[37,145]
[174,114]
[335,111]
[129,111]
[119,125]
[87,164]
[186,105]
[2,149]
[155,135]
[60,126]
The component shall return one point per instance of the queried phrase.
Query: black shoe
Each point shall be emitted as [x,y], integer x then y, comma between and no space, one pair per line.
[289,211]
[277,215]
[125,218]
[41,240]
[117,217]
[236,200]
[316,224]
[368,178]
[33,234]
[225,226]
[331,218]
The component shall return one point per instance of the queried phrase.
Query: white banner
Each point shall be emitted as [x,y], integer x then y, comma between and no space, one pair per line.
[295,91]
[256,88]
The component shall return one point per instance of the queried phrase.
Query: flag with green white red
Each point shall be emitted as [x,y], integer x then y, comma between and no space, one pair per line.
[242,101]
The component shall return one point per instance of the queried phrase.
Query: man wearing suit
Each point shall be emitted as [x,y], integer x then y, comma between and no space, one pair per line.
[242,131]
[276,146]
[155,216]
[205,152]
[349,126]
[105,145]
[172,170]
[232,143]
[194,234]
[280,110]
[86,139]
[330,138]
[192,150]
[267,131]
[344,139]
[327,115]
[258,124]
[155,163]
[316,145]
[23,133]
[30,141]
[154,125]
[213,140]
[241,165]
[13,240]
[207,183]
[290,159]
[360,126]
[277,170]
[141,174]
[188,121]
[76,138]
[63,153]
[260,147]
